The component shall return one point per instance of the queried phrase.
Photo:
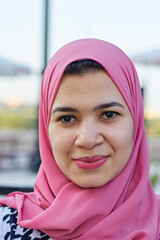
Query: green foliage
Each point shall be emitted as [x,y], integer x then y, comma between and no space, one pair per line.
[24,117]
[154,180]
[153,126]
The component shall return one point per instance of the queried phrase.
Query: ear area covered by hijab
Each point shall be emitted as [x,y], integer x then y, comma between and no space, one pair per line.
[126,208]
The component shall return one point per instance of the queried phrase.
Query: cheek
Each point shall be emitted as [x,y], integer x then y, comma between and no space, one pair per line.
[124,140]
[61,141]
[121,138]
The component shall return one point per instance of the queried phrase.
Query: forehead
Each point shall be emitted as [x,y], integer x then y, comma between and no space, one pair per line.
[93,86]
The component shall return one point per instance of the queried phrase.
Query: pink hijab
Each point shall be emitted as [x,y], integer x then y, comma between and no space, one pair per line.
[126,207]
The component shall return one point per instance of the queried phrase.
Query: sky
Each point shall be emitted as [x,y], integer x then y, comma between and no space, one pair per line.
[132,25]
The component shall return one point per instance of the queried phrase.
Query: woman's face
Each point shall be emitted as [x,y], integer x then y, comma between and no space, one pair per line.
[91,129]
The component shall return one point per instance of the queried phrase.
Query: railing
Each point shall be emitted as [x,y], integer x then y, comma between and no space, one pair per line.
[4,190]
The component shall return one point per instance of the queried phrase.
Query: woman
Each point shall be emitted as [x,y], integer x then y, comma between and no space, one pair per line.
[93,182]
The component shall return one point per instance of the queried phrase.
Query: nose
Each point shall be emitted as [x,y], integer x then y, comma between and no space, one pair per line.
[88,135]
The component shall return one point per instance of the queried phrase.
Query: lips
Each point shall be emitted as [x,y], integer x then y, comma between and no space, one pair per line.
[91,162]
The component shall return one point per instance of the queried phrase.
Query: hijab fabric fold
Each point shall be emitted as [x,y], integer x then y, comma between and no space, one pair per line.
[125,208]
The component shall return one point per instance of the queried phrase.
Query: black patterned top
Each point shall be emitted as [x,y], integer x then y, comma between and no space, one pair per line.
[9,230]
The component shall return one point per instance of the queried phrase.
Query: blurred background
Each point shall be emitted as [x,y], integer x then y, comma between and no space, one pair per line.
[31,32]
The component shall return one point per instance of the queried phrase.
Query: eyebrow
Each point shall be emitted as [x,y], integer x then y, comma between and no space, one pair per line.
[99,107]
[108,105]
[64,109]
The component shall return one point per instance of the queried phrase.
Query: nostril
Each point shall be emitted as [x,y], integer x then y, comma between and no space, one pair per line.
[89,141]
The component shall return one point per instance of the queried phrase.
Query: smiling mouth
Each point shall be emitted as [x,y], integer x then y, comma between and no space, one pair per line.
[91,162]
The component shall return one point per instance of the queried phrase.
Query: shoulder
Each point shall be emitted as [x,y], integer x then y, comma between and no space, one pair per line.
[10,230]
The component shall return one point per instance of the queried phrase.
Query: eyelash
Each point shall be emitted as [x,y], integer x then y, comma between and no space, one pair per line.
[61,119]
[71,118]
[114,114]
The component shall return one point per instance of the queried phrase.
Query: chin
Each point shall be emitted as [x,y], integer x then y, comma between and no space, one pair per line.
[91,184]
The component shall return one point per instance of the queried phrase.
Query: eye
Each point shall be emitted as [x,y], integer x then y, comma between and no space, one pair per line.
[66,119]
[109,115]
